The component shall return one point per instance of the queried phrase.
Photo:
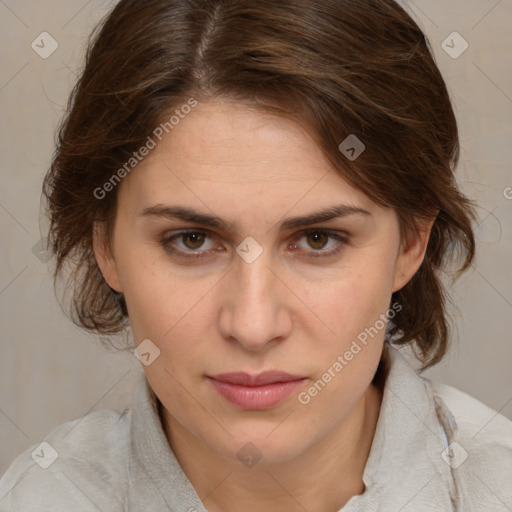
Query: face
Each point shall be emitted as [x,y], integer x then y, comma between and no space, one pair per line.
[254,292]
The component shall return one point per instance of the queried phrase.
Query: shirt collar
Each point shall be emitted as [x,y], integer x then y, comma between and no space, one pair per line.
[152,449]
[405,465]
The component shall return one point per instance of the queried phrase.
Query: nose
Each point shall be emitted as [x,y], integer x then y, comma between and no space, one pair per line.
[255,304]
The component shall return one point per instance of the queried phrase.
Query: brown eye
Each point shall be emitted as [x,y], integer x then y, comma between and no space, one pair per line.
[196,240]
[190,246]
[317,240]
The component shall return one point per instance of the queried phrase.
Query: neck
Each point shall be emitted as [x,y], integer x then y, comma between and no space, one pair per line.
[322,478]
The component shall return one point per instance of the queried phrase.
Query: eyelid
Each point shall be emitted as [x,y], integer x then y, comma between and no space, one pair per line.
[341,236]
[174,235]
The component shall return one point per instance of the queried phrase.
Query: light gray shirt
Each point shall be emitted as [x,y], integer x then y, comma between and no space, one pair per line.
[435,449]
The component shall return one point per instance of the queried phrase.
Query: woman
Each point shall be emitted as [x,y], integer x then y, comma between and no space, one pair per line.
[264,194]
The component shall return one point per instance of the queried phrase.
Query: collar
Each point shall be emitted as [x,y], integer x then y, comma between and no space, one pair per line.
[405,470]
[156,457]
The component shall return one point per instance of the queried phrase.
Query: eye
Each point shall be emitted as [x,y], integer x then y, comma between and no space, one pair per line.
[193,240]
[318,239]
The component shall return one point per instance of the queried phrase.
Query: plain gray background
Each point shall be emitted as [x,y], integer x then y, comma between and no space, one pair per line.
[51,372]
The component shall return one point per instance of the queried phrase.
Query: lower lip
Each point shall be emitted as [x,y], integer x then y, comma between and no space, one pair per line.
[256,397]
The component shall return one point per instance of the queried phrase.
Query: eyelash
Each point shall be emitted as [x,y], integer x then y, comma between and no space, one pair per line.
[166,240]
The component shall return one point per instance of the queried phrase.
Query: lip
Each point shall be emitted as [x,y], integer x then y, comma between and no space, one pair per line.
[245,379]
[256,392]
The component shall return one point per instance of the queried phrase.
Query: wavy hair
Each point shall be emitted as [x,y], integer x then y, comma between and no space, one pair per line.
[343,67]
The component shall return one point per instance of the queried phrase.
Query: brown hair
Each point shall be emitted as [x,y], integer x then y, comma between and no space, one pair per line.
[343,67]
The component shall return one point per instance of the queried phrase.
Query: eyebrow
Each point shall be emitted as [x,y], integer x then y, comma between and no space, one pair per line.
[189,214]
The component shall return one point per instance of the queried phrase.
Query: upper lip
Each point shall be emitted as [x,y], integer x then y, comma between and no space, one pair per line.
[245,379]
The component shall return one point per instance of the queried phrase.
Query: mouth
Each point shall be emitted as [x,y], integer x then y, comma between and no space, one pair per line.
[256,392]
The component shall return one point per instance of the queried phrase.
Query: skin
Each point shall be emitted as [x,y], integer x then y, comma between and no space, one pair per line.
[283,311]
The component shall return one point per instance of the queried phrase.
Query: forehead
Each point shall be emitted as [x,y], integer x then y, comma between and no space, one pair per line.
[224,151]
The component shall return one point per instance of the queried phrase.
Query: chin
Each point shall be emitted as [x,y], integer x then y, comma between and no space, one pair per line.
[262,448]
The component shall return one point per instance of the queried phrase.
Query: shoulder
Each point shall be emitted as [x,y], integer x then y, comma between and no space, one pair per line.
[80,463]
[483,451]
[476,421]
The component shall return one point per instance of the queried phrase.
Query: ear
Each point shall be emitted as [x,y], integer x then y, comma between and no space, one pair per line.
[104,257]
[412,254]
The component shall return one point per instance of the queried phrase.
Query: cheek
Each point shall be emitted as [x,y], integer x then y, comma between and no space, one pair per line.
[169,309]
[356,300]
[151,293]
[354,310]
